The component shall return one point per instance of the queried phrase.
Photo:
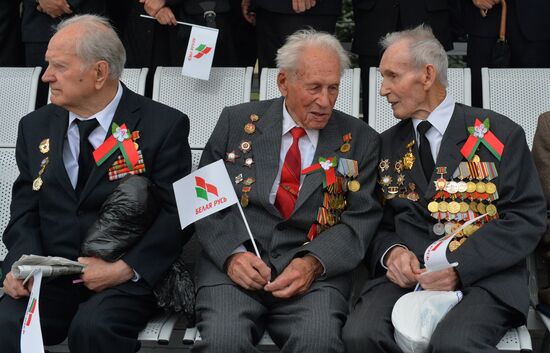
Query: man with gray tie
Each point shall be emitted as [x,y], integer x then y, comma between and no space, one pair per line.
[61,187]
[442,165]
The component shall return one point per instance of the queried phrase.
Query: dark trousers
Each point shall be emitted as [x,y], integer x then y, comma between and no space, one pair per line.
[273,28]
[476,324]
[108,321]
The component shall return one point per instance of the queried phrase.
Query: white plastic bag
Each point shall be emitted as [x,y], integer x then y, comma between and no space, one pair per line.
[416,314]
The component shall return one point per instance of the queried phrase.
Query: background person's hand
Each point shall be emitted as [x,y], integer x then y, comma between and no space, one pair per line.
[248,15]
[302,5]
[54,8]
[165,16]
[152,7]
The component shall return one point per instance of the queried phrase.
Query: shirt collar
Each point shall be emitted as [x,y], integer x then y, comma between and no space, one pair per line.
[104,117]
[441,115]
[289,123]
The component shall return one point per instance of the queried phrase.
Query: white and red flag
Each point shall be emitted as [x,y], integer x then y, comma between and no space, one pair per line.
[200,52]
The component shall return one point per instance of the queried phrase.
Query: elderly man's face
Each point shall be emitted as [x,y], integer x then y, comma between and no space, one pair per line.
[311,93]
[71,81]
[402,84]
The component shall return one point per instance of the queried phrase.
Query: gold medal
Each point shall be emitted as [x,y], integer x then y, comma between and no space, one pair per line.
[250,128]
[354,185]
[37,184]
[345,147]
[44,146]
[408,160]
[473,206]
[475,159]
[433,206]
[481,208]
[480,187]
[453,245]
[244,200]
[454,207]
[491,210]
[443,206]
[470,187]
[254,117]
[490,188]
[464,207]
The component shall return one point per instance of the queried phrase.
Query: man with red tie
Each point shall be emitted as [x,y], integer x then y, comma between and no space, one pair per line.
[311,226]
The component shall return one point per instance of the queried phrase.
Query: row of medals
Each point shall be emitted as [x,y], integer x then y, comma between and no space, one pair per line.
[44,148]
[458,201]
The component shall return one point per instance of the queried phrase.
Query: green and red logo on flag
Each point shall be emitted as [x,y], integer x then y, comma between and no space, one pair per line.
[202,188]
[31,308]
[202,50]
[480,133]
[121,139]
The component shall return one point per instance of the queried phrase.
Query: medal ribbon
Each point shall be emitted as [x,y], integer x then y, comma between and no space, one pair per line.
[490,141]
[112,144]
[327,165]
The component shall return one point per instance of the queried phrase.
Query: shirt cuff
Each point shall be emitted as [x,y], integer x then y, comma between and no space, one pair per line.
[238,249]
[385,252]
[136,277]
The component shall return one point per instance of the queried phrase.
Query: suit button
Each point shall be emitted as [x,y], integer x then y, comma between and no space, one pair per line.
[275,255]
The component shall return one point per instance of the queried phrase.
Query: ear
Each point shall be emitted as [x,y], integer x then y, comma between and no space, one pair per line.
[102,73]
[430,76]
[282,82]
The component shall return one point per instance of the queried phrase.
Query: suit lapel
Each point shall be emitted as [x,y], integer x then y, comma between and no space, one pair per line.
[449,153]
[126,113]
[330,139]
[58,131]
[267,150]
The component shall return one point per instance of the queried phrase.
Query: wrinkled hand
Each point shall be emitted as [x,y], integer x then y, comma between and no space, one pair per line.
[302,5]
[296,278]
[152,7]
[165,16]
[99,274]
[248,15]
[15,288]
[485,4]
[248,270]
[403,267]
[54,8]
[446,279]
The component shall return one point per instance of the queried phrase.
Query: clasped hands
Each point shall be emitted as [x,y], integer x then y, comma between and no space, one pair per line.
[97,276]
[251,273]
[404,270]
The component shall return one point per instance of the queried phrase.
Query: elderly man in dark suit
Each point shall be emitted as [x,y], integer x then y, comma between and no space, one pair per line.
[60,190]
[443,164]
[310,237]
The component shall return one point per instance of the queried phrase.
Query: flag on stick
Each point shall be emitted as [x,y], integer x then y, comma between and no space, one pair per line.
[200,52]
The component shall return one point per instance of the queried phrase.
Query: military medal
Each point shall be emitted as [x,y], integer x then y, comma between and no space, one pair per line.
[231,156]
[250,128]
[249,181]
[409,158]
[433,206]
[346,146]
[244,196]
[413,195]
[354,185]
[245,146]
[453,245]
[254,118]
[38,182]
[439,228]
[248,162]
[384,165]
[44,146]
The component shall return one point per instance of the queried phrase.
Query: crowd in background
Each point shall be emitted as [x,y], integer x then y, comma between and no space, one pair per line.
[252,30]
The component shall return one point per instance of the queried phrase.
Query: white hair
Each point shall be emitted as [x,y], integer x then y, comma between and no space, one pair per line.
[424,49]
[288,56]
[99,41]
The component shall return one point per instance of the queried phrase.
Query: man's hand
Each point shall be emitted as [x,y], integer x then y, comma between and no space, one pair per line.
[446,279]
[99,274]
[54,8]
[248,270]
[302,5]
[15,288]
[152,6]
[485,4]
[296,278]
[403,267]
[248,15]
[165,16]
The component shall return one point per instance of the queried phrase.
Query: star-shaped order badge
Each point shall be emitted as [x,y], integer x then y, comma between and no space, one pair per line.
[327,165]
[121,139]
[480,133]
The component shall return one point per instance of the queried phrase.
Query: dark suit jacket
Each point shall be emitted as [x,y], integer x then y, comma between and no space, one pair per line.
[340,248]
[37,27]
[54,221]
[532,16]
[322,7]
[492,258]
[375,18]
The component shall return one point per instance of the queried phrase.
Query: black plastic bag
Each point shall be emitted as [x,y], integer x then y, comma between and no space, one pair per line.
[124,217]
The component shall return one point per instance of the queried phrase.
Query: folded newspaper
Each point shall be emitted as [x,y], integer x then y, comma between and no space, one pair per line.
[51,266]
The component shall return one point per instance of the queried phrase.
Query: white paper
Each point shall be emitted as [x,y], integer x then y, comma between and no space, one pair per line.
[31,333]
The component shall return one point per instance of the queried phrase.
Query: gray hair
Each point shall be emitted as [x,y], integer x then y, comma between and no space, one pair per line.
[288,55]
[99,42]
[424,49]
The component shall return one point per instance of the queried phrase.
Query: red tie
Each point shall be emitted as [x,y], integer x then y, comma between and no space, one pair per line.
[290,176]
